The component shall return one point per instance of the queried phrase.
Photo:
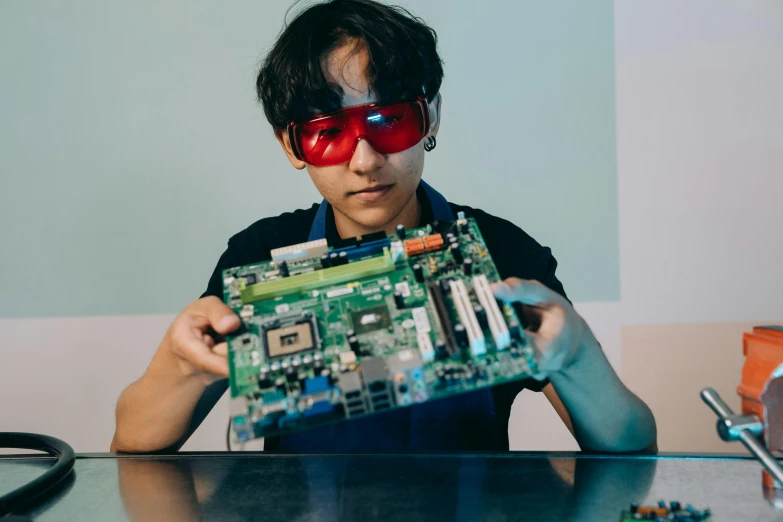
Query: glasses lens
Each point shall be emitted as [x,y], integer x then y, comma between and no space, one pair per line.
[330,140]
[326,141]
[395,128]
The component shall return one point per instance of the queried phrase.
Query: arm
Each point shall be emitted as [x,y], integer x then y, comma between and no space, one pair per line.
[601,413]
[155,412]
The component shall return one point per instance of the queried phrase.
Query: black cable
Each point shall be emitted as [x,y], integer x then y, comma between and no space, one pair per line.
[43,485]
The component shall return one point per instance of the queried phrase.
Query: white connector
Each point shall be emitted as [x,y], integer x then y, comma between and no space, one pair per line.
[497,324]
[301,251]
[467,316]
[425,347]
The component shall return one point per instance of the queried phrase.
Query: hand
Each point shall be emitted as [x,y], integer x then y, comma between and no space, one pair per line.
[190,339]
[557,332]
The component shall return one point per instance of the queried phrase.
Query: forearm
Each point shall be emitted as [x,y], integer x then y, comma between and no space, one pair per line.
[606,416]
[155,411]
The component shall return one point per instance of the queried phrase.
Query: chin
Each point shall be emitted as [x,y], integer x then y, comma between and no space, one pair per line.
[374,218]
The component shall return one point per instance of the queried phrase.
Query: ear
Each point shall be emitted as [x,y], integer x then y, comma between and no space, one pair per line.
[435,114]
[282,138]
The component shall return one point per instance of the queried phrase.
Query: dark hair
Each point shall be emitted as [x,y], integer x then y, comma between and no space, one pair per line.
[403,58]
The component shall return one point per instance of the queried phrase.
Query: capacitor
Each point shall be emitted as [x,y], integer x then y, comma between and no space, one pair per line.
[481,315]
[445,285]
[400,231]
[353,342]
[263,379]
[456,253]
[449,237]
[463,226]
[343,257]
[325,263]
[350,333]
[460,335]
[291,375]
[418,273]
[283,268]
[440,350]
[334,259]
[399,300]
[467,266]
[433,266]
[515,330]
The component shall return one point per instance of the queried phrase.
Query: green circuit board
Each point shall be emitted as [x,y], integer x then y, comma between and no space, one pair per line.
[331,332]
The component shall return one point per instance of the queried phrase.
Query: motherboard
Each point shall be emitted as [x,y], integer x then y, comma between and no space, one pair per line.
[333,332]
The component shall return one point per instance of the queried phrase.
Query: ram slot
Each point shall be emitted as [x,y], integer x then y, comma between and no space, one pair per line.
[318,279]
[468,317]
[497,323]
[436,296]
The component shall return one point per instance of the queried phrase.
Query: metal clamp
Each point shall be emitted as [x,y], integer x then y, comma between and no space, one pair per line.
[744,428]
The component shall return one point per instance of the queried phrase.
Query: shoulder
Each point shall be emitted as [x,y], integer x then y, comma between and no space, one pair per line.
[254,244]
[258,239]
[515,252]
[506,241]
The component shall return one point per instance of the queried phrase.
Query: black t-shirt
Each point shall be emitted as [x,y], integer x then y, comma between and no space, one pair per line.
[514,252]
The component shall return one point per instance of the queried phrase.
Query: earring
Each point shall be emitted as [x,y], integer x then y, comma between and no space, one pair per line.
[429,143]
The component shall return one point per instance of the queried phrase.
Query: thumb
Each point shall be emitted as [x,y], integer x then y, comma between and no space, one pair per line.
[221,318]
[523,291]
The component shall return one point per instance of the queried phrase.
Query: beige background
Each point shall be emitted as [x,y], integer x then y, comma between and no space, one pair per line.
[669,365]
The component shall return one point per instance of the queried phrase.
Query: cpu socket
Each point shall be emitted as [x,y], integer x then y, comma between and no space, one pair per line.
[290,335]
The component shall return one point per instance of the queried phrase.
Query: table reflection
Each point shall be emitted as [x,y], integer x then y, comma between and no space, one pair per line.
[410,488]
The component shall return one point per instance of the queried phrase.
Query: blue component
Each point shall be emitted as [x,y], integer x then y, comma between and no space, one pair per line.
[288,419]
[319,408]
[275,396]
[370,248]
[316,384]
[243,436]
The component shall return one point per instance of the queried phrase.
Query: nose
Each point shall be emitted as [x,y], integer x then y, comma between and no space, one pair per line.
[365,159]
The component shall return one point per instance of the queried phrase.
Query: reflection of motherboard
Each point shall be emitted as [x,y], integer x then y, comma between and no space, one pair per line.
[370,324]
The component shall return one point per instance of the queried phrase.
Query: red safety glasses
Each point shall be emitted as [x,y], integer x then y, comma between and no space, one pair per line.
[331,139]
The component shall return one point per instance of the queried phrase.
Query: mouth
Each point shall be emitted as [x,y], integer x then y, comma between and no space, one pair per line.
[372,193]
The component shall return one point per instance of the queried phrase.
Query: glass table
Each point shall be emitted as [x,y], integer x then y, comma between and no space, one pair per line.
[462,487]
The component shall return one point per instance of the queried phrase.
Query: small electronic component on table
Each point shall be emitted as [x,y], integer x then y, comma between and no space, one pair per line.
[332,332]
[674,512]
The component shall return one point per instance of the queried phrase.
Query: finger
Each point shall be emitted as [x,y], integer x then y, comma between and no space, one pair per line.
[532,315]
[221,318]
[221,349]
[208,340]
[533,340]
[201,357]
[524,291]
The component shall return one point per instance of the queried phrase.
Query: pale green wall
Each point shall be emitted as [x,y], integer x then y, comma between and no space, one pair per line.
[131,146]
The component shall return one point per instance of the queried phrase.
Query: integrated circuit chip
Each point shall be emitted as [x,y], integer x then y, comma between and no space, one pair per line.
[370,319]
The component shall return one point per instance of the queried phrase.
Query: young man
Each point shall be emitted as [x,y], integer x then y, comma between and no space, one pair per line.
[367,162]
